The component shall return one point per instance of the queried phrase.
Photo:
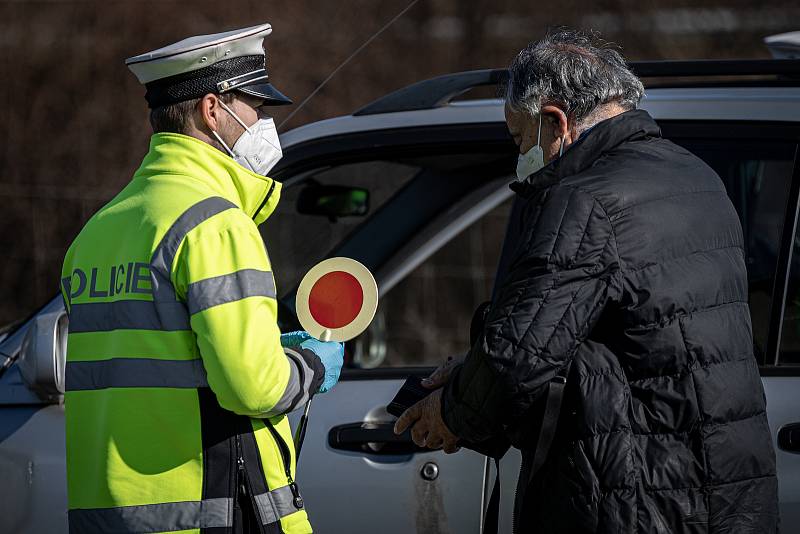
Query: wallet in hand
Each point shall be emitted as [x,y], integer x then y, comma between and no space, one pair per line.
[411,393]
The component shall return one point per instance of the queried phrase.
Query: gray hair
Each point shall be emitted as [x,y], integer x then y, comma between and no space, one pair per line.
[573,69]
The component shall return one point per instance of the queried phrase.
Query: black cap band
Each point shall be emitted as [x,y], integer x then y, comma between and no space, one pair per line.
[200,82]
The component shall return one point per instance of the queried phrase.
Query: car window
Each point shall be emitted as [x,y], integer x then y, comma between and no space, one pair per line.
[757,174]
[425,317]
[297,241]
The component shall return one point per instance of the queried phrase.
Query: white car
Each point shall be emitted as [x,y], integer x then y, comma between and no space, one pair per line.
[415,187]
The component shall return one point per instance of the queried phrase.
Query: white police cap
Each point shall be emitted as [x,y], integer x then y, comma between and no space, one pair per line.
[196,66]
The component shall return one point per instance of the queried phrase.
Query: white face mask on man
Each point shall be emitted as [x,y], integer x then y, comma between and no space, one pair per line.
[258,148]
[533,160]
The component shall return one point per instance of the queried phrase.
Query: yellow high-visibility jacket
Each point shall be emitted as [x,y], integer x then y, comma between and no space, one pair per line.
[176,381]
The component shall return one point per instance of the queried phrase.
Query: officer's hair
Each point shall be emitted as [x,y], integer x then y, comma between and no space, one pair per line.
[174,118]
[573,69]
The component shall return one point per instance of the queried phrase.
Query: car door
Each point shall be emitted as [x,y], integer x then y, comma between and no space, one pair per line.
[432,238]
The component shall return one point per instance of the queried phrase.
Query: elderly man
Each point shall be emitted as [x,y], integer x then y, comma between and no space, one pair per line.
[178,380]
[627,278]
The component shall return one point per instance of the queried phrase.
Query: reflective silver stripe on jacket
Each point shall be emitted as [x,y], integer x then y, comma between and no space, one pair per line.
[127,315]
[163,517]
[135,373]
[239,285]
[274,505]
[297,390]
[164,254]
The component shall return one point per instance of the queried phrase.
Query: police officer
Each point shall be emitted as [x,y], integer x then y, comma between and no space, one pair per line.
[177,378]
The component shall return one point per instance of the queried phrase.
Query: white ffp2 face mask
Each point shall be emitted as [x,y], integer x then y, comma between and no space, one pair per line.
[533,160]
[258,148]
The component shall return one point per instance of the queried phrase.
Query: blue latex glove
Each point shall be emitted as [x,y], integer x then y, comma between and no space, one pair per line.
[294,339]
[331,354]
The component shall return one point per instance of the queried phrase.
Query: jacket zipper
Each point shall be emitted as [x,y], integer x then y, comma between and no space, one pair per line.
[287,465]
[242,479]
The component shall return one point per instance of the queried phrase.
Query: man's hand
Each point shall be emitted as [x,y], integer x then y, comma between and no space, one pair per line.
[442,374]
[428,428]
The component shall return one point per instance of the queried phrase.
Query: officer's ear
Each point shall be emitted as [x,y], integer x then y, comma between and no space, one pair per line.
[211,112]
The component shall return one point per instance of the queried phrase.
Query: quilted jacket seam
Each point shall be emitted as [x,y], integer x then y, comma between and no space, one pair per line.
[622,211]
[615,430]
[606,215]
[546,293]
[521,290]
[690,369]
[604,372]
[560,226]
[580,339]
[732,421]
[679,315]
[660,263]
[561,319]
[738,481]
[583,235]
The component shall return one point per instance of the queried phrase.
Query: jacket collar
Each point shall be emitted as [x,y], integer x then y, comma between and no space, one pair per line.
[604,136]
[172,153]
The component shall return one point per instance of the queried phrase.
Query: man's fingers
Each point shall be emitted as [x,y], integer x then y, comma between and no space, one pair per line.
[419,434]
[451,446]
[434,442]
[406,420]
[434,380]
[439,376]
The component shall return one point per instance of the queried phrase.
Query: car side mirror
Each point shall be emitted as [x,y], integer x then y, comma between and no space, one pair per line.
[43,355]
[333,201]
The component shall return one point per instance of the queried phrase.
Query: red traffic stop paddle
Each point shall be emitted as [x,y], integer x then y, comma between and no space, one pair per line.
[336,301]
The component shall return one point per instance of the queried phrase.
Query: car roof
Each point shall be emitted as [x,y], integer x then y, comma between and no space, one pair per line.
[781,104]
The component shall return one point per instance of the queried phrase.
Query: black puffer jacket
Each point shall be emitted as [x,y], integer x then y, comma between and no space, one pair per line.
[630,266]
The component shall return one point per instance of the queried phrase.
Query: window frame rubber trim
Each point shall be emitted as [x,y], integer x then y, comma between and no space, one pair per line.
[783,267]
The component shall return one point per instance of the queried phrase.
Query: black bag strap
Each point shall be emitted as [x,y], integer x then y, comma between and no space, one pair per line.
[555,394]
[552,409]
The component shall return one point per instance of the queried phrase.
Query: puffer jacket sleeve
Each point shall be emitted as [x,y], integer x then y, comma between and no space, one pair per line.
[223,274]
[561,276]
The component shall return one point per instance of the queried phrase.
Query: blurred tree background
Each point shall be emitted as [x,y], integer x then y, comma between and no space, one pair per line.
[75,122]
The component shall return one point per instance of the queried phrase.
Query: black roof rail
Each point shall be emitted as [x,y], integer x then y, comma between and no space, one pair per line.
[716,67]
[441,90]
[433,93]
